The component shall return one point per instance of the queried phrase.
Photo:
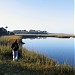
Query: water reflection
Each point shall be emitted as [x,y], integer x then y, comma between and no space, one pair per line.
[34,38]
[58,48]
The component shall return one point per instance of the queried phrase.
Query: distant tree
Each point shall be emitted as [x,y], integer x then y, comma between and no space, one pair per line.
[6,27]
[29,32]
[3,31]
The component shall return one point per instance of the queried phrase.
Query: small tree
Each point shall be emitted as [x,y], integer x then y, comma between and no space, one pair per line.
[6,27]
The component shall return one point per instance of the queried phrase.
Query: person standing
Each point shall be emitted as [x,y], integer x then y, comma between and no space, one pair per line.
[15,48]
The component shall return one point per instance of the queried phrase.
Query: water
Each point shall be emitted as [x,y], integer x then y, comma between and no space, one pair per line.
[60,49]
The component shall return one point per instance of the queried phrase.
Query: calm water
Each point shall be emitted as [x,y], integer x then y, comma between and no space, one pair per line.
[60,49]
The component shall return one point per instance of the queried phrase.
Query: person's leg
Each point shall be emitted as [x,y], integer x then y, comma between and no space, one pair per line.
[16,55]
[13,53]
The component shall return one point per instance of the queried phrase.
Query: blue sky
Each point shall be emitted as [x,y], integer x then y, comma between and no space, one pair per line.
[55,16]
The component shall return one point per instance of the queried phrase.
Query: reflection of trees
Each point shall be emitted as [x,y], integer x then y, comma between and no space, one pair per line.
[34,38]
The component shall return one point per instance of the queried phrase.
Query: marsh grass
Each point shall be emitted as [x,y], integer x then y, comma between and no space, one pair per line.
[30,63]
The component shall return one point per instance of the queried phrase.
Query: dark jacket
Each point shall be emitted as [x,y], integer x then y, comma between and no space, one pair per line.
[15,46]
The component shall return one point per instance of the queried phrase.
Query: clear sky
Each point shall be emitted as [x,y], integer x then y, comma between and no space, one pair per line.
[55,16]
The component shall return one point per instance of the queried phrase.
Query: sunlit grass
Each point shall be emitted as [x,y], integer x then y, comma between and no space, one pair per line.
[30,63]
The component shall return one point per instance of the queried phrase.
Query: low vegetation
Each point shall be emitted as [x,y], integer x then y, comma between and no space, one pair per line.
[47,35]
[30,63]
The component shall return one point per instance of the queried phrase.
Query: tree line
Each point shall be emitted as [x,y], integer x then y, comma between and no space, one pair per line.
[29,32]
[3,31]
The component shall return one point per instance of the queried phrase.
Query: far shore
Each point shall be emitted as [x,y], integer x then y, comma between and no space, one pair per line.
[47,35]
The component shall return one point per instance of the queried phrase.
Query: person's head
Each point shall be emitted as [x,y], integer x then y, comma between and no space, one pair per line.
[15,40]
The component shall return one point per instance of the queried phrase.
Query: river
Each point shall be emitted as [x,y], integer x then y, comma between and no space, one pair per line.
[60,49]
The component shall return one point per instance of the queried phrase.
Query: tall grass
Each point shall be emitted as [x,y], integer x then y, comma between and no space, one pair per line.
[30,63]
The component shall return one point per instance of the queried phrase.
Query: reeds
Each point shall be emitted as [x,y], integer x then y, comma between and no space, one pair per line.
[30,63]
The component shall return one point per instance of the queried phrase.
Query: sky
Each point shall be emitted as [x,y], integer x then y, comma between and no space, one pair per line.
[54,16]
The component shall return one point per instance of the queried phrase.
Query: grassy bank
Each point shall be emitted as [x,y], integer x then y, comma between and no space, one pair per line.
[30,63]
[47,35]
